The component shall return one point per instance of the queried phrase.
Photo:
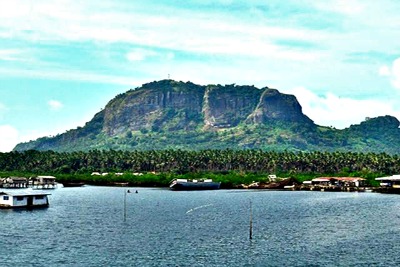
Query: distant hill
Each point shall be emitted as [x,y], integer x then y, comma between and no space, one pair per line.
[168,114]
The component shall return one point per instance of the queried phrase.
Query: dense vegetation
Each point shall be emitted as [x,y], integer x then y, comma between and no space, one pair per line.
[231,167]
[368,137]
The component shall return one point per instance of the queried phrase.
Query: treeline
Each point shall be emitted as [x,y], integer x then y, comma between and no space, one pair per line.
[212,161]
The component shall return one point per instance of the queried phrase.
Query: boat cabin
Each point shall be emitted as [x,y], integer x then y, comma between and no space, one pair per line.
[43,181]
[23,200]
[339,181]
[389,181]
[324,181]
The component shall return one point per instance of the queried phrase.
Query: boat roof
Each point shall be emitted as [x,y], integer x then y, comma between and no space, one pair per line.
[46,176]
[24,193]
[16,178]
[389,178]
[325,179]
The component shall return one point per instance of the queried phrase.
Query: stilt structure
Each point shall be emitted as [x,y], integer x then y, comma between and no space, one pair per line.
[14,182]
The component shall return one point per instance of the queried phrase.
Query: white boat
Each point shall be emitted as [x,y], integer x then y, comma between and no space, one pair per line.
[29,199]
[194,184]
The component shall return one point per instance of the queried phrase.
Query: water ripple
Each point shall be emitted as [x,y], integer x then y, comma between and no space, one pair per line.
[86,227]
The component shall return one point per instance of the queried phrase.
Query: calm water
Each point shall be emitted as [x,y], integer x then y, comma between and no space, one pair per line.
[85,227]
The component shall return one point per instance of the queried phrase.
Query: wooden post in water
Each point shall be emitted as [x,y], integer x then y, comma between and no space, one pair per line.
[124,205]
[251,221]
[125,192]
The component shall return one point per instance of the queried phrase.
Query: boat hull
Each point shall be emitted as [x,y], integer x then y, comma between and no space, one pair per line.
[77,184]
[195,186]
[40,206]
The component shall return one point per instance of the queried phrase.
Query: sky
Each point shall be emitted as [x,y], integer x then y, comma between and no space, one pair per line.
[61,61]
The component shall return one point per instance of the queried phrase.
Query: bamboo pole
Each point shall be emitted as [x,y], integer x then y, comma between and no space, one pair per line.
[251,221]
[125,192]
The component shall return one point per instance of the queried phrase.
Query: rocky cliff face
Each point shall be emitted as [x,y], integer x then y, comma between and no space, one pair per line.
[274,106]
[175,105]
[169,105]
[227,106]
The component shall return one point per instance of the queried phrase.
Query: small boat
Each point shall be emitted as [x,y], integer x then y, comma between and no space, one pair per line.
[10,200]
[73,184]
[194,184]
[290,187]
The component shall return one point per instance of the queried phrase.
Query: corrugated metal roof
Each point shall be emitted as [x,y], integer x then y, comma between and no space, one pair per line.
[349,178]
[322,179]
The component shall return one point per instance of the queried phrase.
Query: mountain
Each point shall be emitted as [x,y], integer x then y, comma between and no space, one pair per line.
[168,114]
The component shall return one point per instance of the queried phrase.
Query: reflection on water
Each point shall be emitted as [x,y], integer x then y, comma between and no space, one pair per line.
[85,227]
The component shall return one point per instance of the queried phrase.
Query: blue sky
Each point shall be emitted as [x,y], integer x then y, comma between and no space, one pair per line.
[61,61]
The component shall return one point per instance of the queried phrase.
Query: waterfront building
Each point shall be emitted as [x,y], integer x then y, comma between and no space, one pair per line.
[14,182]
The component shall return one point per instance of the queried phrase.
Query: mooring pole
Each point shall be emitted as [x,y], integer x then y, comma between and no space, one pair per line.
[125,193]
[251,221]
[125,205]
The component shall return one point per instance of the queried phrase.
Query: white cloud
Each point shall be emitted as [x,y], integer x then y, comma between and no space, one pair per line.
[69,74]
[3,110]
[8,138]
[384,71]
[348,7]
[332,110]
[140,54]
[55,105]
[212,34]
[217,32]
[396,73]
[10,54]
[135,56]
[393,72]
[170,56]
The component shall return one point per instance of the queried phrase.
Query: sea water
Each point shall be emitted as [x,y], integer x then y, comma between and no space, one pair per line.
[107,226]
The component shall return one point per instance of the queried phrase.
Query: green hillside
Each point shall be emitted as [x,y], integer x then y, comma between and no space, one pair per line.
[175,115]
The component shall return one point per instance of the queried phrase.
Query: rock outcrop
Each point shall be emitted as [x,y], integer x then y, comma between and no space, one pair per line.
[227,106]
[275,106]
[169,105]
